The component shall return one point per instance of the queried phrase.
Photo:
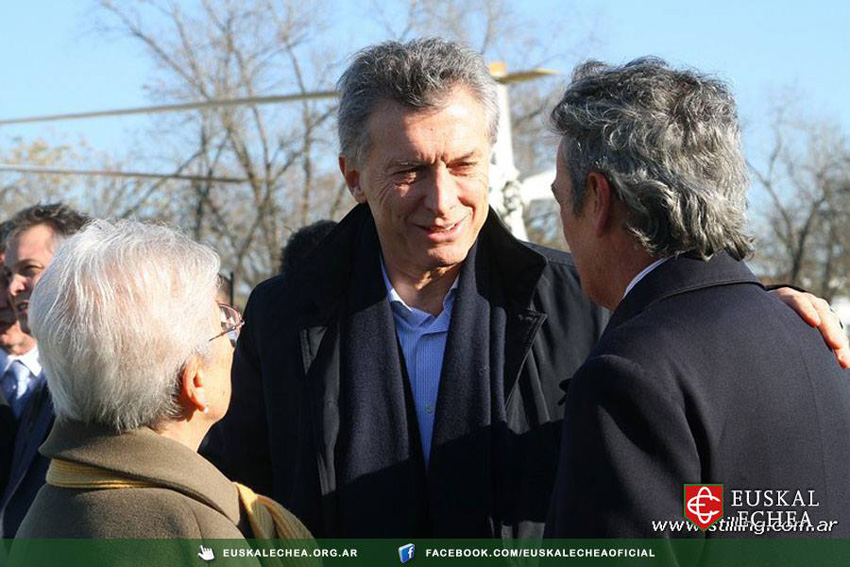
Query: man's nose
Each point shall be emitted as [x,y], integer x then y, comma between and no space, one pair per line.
[16,286]
[442,191]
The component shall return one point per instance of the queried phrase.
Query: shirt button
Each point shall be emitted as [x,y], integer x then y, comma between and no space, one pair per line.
[429,409]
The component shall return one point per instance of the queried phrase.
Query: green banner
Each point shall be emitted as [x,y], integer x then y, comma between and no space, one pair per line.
[376,553]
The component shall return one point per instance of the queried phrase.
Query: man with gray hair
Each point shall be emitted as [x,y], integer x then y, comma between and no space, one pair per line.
[701,378]
[403,382]
[35,235]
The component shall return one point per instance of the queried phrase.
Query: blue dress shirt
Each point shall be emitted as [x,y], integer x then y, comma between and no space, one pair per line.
[26,372]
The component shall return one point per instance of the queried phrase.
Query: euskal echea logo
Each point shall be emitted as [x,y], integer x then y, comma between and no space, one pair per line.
[703,504]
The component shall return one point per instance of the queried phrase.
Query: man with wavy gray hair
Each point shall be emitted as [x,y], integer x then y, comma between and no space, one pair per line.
[701,377]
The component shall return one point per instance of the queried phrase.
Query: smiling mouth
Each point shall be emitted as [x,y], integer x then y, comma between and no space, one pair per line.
[446,228]
[443,231]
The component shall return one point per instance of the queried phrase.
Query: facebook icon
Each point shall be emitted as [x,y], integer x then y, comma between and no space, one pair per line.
[405,552]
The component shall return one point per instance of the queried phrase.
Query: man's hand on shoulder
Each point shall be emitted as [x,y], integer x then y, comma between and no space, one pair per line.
[817,313]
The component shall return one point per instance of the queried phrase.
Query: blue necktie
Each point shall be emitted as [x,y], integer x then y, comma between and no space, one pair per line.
[15,382]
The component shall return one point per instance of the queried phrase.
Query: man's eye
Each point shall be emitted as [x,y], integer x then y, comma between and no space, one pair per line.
[29,271]
[464,167]
[407,175]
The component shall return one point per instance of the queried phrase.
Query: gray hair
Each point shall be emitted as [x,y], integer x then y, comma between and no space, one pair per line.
[117,314]
[668,141]
[418,74]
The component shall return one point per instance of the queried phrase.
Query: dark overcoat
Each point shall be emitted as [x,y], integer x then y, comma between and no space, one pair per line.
[702,378]
[322,414]
[28,467]
[8,426]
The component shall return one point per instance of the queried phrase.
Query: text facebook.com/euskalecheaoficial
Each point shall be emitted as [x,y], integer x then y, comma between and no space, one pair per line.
[755,523]
[578,552]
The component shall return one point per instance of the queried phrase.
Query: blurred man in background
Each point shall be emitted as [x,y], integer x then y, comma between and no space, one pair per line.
[35,235]
[18,352]
[19,366]
[302,243]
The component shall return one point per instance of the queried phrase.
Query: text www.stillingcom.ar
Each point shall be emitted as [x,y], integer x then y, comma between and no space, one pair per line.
[752,524]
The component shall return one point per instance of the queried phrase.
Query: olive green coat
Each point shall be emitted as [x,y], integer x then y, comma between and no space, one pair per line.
[192,500]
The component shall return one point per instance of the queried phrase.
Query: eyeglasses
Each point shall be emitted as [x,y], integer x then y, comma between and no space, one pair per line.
[231,322]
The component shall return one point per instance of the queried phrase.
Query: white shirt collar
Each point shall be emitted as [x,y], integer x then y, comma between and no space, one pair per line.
[28,359]
[394,297]
[643,274]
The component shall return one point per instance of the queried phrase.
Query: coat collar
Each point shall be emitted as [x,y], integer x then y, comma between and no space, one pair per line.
[517,266]
[678,275]
[142,454]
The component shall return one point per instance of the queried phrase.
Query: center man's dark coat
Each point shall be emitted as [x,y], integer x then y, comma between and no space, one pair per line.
[322,415]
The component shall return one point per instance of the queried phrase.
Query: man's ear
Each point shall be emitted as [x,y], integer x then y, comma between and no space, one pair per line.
[192,390]
[600,202]
[352,179]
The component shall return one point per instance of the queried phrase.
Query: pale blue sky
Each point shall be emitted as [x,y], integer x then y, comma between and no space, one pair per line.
[52,62]
[763,48]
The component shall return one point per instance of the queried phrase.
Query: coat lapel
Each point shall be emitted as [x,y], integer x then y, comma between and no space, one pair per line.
[515,273]
[321,364]
[324,283]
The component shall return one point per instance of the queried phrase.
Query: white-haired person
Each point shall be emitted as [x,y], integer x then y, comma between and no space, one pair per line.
[137,353]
